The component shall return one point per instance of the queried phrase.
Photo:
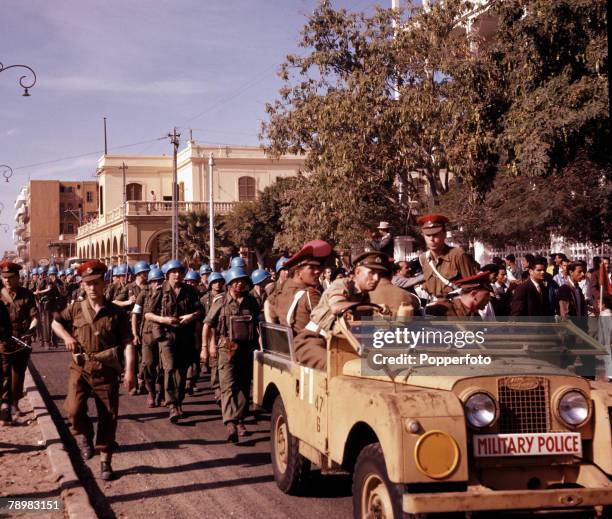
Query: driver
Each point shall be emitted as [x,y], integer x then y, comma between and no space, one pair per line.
[311,343]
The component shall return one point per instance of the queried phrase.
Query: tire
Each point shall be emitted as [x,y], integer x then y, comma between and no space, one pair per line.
[289,466]
[374,496]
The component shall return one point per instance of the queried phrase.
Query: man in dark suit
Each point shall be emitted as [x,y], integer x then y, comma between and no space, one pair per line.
[531,298]
[571,298]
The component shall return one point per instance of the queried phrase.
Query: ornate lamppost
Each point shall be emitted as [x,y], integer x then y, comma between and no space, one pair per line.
[4,226]
[23,80]
[7,172]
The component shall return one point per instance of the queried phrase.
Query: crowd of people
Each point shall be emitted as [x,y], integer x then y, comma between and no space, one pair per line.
[160,326]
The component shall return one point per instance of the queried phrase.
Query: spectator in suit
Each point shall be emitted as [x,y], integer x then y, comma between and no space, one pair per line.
[571,299]
[531,299]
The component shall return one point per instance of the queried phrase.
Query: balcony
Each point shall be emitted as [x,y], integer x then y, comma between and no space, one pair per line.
[151,209]
[19,228]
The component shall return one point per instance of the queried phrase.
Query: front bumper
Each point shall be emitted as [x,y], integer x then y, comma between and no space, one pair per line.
[480,498]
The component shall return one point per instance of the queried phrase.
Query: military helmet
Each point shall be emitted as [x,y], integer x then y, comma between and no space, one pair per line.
[280,264]
[141,266]
[259,276]
[205,269]
[52,270]
[122,270]
[192,275]
[174,264]
[35,271]
[42,270]
[215,276]
[69,271]
[237,261]
[155,274]
[236,273]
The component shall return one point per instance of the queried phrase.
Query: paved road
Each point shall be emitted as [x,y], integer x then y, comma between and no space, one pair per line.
[186,470]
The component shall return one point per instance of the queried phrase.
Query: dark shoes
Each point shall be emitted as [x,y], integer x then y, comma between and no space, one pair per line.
[242,430]
[106,471]
[85,446]
[232,433]
[175,414]
[5,415]
[151,400]
[15,411]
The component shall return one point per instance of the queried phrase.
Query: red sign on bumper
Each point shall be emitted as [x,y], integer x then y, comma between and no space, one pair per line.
[527,444]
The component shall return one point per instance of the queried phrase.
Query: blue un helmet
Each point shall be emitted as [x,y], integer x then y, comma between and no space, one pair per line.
[236,273]
[215,276]
[259,276]
[69,271]
[192,275]
[205,269]
[173,264]
[122,270]
[155,274]
[52,270]
[42,270]
[141,266]
[237,261]
[34,271]
[280,264]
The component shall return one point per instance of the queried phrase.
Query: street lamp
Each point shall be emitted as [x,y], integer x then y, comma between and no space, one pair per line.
[26,86]
[4,226]
[7,171]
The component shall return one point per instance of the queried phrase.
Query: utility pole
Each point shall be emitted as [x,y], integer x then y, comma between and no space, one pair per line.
[174,140]
[211,211]
[105,143]
[123,168]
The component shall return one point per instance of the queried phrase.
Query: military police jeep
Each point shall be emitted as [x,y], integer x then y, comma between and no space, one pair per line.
[418,444]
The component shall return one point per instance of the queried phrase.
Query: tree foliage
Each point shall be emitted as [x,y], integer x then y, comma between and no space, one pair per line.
[411,99]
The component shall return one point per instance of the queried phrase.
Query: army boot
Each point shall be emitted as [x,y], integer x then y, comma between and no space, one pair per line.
[106,471]
[175,414]
[5,414]
[232,432]
[85,446]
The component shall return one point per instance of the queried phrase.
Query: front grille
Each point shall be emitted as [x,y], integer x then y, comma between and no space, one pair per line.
[524,405]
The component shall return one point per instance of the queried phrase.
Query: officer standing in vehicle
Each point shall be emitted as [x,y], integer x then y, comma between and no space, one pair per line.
[300,294]
[235,318]
[175,310]
[442,265]
[311,343]
[21,305]
[475,293]
[98,335]
[216,284]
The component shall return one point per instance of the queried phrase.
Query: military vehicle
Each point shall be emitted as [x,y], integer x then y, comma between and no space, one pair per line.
[519,435]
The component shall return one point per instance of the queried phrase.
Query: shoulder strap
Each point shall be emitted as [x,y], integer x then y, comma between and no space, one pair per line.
[445,281]
[6,297]
[296,299]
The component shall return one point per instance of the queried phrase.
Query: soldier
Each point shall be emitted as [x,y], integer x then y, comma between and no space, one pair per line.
[48,293]
[475,293]
[442,264]
[193,373]
[33,280]
[142,330]
[21,305]
[6,331]
[235,318]
[215,292]
[394,297]
[311,343]
[98,335]
[120,273]
[260,278]
[299,295]
[205,271]
[72,287]
[282,272]
[175,310]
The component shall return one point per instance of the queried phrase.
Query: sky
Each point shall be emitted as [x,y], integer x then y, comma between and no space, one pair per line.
[145,65]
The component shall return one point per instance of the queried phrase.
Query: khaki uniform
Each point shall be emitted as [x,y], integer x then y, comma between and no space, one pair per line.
[386,293]
[177,344]
[235,367]
[151,371]
[294,303]
[22,309]
[110,328]
[6,331]
[311,343]
[48,304]
[445,308]
[213,362]
[113,290]
[452,264]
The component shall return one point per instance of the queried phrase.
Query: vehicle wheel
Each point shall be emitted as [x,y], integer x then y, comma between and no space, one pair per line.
[374,496]
[289,466]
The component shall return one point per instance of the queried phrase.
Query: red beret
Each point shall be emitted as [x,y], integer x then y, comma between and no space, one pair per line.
[91,270]
[479,281]
[8,268]
[432,223]
[314,252]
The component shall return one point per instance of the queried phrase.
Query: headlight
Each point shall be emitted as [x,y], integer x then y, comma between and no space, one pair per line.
[573,408]
[480,410]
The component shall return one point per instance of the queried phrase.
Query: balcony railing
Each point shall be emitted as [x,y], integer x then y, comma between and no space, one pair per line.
[139,208]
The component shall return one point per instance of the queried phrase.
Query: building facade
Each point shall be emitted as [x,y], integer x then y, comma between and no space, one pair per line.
[48,214]
[141,230]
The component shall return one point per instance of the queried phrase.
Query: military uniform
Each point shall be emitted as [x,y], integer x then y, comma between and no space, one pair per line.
[21,306]
[6,331]
[455,307]
[446,308]
[386,293]
[108,328]
[213,362]
[113,290]
[48,305]
[294,303]
[177,344]
[235,365]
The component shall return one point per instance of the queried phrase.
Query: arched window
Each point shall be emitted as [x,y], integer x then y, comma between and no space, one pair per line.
[246,189]
[133,192]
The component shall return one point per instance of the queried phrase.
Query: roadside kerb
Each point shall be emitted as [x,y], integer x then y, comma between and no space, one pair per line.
[76,502]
